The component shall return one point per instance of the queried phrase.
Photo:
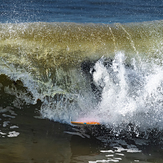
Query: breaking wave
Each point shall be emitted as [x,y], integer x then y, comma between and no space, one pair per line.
[110,73]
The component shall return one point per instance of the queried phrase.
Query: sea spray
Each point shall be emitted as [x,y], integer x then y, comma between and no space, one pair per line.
[130,94]
[121,86]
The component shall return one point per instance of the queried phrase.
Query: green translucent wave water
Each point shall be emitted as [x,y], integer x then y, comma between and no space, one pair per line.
[54,52]
[68,44]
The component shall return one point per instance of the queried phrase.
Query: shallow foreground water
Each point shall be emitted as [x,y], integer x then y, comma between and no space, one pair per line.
[28,139]
[25,138]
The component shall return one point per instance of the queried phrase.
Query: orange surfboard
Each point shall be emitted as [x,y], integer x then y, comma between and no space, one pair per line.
[85,123]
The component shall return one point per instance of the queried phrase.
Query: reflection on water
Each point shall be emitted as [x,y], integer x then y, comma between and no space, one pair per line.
[26,138]
[29,139]
[7,129]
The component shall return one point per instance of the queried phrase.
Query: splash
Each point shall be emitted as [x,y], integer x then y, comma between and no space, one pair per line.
[131,94]
[111,73]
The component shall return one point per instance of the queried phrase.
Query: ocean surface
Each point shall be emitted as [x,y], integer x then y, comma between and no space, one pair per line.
[63,61]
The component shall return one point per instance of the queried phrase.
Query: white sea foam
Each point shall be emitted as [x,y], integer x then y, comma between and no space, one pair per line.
[130,94]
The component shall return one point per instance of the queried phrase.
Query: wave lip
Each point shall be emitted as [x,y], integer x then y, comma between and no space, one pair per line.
[71,43]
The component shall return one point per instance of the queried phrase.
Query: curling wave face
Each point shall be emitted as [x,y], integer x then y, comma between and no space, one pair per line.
[109,72]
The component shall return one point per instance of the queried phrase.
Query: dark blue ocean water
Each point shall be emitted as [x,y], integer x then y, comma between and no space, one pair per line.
[95,11]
